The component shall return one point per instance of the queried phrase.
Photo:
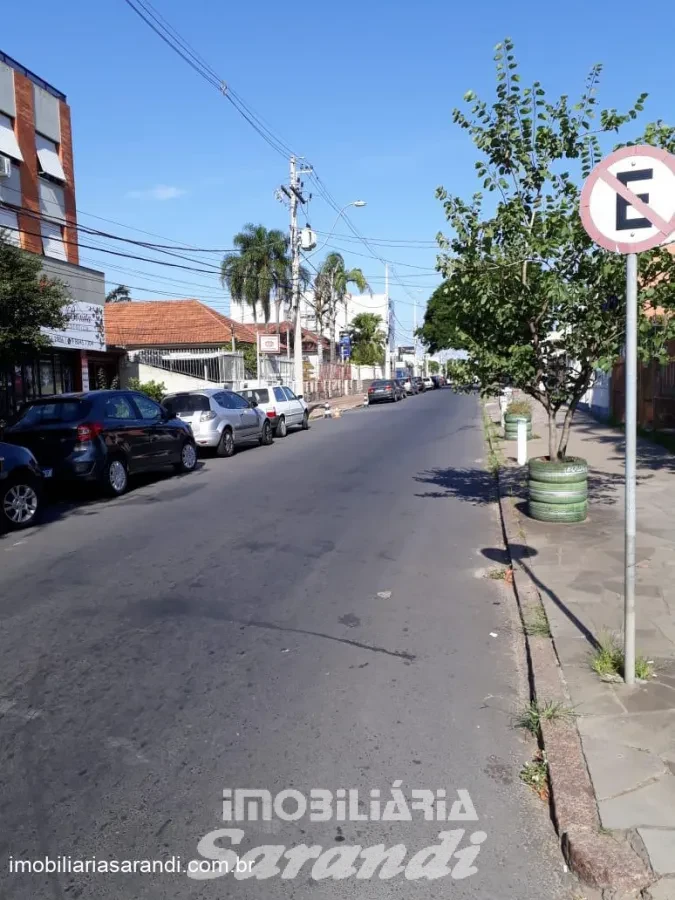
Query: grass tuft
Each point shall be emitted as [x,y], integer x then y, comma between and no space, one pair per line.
[496,574]
[608,661]
[536,623]
[535,774]
[535,713]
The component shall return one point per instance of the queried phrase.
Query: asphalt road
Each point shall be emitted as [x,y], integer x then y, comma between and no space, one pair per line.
[302,616]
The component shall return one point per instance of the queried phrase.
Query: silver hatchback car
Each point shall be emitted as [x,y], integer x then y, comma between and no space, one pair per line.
[220,420]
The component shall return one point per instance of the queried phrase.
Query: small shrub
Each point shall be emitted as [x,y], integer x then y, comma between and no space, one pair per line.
[534,714]
[536,623]
[535,774]
[519,408]
[153,389]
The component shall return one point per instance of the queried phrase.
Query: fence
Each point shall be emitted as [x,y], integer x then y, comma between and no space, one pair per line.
[215,366]
[655,393]
[276,369]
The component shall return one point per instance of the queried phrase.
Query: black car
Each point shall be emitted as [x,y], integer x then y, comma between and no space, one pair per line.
[384,391]
[20,487]
[102,436]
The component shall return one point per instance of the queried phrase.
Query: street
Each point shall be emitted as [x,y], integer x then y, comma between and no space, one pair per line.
[303,616]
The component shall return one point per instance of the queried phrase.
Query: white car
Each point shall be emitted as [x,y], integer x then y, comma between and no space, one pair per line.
[428,383]
[281,406]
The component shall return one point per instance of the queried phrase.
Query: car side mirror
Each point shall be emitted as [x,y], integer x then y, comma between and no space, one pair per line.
[254,403]
[167,414]
[299,396]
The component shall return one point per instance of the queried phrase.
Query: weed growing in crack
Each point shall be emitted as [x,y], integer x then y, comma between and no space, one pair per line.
[608,661]
[536,623]
[535,774]
[535,713]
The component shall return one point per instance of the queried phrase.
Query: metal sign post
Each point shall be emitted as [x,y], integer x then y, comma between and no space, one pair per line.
[622,220]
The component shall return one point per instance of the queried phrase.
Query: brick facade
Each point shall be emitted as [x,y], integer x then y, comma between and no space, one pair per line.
[69,187]
[29,215]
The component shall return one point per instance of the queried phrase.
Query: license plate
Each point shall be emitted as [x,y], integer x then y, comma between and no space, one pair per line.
[47,473]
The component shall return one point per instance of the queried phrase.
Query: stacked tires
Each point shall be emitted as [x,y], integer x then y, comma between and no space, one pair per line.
[558,491]
[511,425]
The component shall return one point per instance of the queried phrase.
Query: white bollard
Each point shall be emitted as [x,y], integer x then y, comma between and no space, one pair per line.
[522,442]
[326,411]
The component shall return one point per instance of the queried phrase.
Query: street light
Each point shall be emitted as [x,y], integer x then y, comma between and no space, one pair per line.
[356,203]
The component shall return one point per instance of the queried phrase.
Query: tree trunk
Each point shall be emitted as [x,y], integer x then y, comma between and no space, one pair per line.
[552,433]
[565,436]
[332,338]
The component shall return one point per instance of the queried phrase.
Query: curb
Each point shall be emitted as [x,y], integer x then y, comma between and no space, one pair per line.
[316,412]
[598,859]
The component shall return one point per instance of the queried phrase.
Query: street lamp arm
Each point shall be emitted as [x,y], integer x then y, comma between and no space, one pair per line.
[357,203]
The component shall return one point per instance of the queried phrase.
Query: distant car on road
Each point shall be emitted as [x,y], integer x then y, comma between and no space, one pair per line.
[20,487]
[384,391]
[410,386]
[282,407]
[428,383]
[220,420]
[419,382]
[103,437]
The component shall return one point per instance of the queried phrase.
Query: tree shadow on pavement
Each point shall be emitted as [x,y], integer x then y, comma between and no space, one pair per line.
[649,455]
[477,486]
[519,554]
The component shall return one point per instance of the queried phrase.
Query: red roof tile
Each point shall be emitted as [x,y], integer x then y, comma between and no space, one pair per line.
[170,323]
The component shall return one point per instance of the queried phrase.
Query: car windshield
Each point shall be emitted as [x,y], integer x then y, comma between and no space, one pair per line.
[51,412]
[180,404]
[379,384]
[260,395]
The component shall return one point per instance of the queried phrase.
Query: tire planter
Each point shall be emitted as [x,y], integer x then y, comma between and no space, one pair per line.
[558,491]
[511,425]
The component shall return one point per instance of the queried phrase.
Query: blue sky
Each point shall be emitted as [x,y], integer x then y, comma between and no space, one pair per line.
[365,91]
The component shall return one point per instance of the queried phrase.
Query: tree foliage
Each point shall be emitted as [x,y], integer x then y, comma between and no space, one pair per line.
[330,289]
[260,270]
[120,294]
[434,367]
[526,292]
[29,301]
[156,390]
[367,340]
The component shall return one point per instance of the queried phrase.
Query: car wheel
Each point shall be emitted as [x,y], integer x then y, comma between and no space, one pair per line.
[19,503]
[188,458]
[115,477]
[282,429]
[305,421]
[226,444]
[266,437]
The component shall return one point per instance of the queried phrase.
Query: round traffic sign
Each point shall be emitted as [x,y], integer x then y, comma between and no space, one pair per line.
[628,201]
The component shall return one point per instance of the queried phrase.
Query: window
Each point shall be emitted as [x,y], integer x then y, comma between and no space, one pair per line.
[239,402]
[48,158]
[279,395]
[53,412]
[8,142]
[147,407]
[9,223]
[289,394]
[47,376]
[47,113]
[182,404]
[118,407]
[7,99]
[10,187]
[223,400]
[261,395]
[52,202]
[52,240]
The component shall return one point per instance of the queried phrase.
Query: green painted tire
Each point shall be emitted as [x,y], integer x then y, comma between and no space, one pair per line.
[569,492]
[511,426]
[571,470]
[558,512]
[511,434]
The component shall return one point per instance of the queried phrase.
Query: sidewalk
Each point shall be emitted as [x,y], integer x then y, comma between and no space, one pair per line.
[349,401]
[628,733]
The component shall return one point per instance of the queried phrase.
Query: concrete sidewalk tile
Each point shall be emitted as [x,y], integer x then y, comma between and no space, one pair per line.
[660,846]
[647,698]
[651,805]
[654,732]
[616,769]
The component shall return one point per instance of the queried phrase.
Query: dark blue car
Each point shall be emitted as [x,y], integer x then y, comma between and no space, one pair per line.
[102,436]
[20,487]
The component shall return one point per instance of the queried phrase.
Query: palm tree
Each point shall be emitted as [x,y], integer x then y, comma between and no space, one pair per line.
[120,294]
[330,288]
[367,339]
[260,268]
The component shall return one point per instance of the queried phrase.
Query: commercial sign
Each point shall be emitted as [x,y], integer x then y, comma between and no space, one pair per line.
[84,329]
[345,347]
[269,343]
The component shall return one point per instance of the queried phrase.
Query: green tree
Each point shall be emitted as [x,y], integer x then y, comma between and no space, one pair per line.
[367,339]
[260,270]
[154,389]
[330,289]
[526,292]
[29,302]
[434,367]
[120,294]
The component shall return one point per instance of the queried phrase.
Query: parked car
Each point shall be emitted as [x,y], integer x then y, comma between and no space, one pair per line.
[436,381]
[220,420]
[428,383]
[384,391]
[401,388]
[421,387]
[410,386]
[103,437]
[281,406]
[20,487]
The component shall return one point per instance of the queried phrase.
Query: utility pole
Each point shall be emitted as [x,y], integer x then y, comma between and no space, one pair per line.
[294,194]
[387,322]
[415,333]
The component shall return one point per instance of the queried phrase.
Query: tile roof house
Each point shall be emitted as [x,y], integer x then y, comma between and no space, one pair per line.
[140,324]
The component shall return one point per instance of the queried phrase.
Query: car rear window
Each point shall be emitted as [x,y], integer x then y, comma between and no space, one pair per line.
[52,412]
[377,384]
[186,403]
[261,395]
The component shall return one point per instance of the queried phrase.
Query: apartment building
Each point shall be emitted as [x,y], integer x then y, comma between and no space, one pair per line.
[38,213]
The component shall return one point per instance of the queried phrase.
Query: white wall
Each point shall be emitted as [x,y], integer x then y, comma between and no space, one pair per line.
[173,381]
[598,397]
